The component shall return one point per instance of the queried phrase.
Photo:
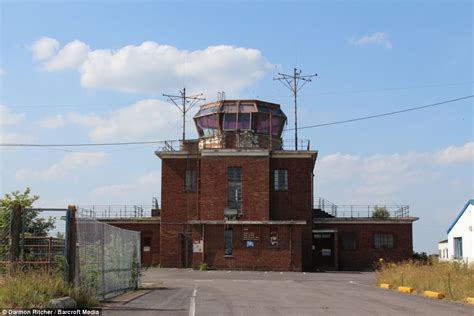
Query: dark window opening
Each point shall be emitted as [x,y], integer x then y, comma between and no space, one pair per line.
[190,181]
[228,242]
[234,188]
[383,241]
[147,242]
[457,247]
[349,241]
[281,180]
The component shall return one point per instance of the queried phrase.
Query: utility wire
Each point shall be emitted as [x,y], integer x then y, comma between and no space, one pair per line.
[304,127]
[87,144]
[264,96]
[384,114]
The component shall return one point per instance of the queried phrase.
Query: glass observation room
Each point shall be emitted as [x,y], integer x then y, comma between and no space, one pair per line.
[240,116]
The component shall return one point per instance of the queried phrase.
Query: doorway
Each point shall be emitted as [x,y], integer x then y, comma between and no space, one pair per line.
[186,250]
[324,250]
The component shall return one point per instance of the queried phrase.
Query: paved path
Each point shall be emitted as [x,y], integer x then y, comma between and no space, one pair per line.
[188,292]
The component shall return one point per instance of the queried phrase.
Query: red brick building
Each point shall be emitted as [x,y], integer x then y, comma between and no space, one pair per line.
[237,198]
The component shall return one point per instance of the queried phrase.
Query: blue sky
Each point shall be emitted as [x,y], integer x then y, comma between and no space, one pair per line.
[91,71]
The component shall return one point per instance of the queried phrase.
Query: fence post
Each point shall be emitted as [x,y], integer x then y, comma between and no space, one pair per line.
[70,244]
[102,259]
[15,229]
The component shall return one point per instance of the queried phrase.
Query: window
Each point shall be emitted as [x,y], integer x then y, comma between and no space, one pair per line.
[383,241]
[190,181]
[234,188]
[281,180]
[349,241]
[228,242]
[457,247]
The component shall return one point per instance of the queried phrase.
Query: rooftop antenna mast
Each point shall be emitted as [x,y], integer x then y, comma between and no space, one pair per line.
[187,103]
[295,82]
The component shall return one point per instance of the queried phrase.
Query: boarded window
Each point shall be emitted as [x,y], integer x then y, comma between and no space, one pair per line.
[383,241]
[281,180]
[349,241]
[457,247]
[234,188]
[190,181]
[228,242]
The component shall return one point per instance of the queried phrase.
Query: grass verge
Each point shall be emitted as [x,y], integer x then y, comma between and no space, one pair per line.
[455,280]
[35,288]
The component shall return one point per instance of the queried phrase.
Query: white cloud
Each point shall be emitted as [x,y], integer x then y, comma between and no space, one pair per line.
[140,189]
[358,179]
[377,38]
[44,48]
[71,162]
[7,117]
[453,154]
[9,137]
[148,118]
[52,122]
[152,67]
[85,120]
[71,56]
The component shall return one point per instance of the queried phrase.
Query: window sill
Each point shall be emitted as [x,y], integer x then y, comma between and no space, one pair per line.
[228,256]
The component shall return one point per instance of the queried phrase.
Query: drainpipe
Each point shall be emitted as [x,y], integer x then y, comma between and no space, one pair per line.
[290,250]
[203,242]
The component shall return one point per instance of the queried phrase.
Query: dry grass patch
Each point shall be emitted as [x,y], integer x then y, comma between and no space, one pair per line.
[35,288]
[455,280]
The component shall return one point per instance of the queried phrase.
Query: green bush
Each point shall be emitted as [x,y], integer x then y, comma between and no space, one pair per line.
[203,266]
[380,212]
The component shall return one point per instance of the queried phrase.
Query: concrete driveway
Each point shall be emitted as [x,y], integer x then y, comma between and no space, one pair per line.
[189,292]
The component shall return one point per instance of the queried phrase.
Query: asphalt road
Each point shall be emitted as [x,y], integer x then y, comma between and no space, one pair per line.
[189,292]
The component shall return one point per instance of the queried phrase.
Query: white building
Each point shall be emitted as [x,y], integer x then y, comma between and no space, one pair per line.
[460,243]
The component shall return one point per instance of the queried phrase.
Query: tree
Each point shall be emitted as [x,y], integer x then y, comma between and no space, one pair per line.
[380,212]
[33,225]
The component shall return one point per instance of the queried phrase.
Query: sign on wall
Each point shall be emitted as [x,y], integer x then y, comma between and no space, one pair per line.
[197,246]
[273,237]
[250,233]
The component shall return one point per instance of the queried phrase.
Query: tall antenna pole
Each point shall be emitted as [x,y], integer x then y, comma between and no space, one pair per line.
[295,82]
[187,103]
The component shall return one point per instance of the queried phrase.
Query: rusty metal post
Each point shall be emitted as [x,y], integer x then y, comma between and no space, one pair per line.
[15,230]
[70,244]
[49,253]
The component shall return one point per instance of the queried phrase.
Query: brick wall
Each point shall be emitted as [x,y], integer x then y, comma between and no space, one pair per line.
[296,203]
[286,256]
[148,230]
[177,205]
[365,254]
[255,187]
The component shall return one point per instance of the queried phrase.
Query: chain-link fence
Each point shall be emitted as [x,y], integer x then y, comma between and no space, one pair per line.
[107,257]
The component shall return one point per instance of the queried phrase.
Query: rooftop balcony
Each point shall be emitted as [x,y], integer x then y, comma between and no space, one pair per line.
[221,142]
[325,209]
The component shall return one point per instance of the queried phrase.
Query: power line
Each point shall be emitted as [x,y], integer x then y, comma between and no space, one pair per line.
[385,114]
[87,144]
[41,106]
[164,142]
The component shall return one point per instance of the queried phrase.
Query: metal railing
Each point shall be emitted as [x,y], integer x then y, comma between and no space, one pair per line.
[117,211]
[303,144]
[362,211]
[216,142]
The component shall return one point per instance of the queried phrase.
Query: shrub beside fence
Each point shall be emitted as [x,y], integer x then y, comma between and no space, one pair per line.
[98,259]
